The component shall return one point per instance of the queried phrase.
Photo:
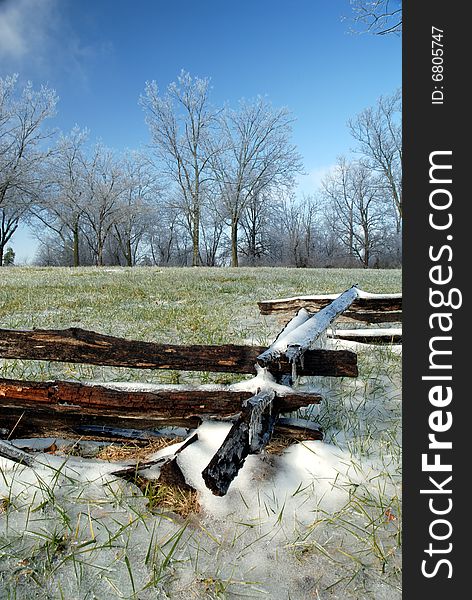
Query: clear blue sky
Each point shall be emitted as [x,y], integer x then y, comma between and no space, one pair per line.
[97,55]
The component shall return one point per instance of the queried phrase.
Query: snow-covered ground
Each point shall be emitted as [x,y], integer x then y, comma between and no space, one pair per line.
[322,520]
[319,521]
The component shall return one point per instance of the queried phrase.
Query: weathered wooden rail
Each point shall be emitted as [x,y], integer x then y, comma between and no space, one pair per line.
[63,407]
[366,308]
[76,345]
[255,407]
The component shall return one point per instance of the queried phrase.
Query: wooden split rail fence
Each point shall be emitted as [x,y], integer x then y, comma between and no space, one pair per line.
[383,310]
[255,407]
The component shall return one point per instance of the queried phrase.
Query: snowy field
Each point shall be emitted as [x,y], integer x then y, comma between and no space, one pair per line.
[319,520]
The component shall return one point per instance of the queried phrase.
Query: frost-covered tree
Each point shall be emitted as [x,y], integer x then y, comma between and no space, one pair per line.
[180,121]
[104,188]
[214,238]
[378,133]
[139,204]
[257,156]
[299,220]
[23,111]
[255,226]
[167,239]
[356,209]
[60,209]
[380,17]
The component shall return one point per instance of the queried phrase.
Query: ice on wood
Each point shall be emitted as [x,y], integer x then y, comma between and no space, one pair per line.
[301,338]
[302,316]
[261,406]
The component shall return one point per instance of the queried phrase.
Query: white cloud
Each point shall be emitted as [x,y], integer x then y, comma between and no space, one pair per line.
[25,28]
[38,40]
[11,39]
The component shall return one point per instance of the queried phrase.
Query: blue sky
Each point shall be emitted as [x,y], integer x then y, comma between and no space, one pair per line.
[98,54]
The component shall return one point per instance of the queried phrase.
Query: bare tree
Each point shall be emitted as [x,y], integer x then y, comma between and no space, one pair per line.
[60,208]
[380,17]
[180,122]
[340,204]
[297,217]
[138,205]
[257,157]
[255,224]
[213,232]
[102,209]
[356,209]
[22,139]
[10,216]
[378,132]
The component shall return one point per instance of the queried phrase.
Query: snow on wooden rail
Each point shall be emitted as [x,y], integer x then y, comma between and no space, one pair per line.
[254,427]
[367,307]
[387,335]
[249,434]
[295,341]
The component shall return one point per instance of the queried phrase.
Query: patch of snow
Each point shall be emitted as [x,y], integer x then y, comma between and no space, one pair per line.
[264,380]
[370,332]
[361,294]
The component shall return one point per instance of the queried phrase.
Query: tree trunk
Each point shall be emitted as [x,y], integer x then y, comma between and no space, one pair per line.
[100,254]
[234,242]
[76,244]
[366,247]
[129,253]
[196,237]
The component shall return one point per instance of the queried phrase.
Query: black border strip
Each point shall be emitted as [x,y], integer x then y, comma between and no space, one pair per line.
[431,128]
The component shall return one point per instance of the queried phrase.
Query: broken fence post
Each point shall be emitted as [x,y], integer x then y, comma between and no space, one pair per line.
[248,435]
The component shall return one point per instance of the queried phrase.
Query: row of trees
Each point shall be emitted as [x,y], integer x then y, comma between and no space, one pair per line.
[215,187]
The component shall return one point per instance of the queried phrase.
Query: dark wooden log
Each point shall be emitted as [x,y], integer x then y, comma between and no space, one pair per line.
[324,363]
[45,423]
[248,435]
[162,402]
[76,345]
[32,421]
[299,429]
[81,346]
[295,344]
[373,308]
[61,407]
[229,458]
[105,433]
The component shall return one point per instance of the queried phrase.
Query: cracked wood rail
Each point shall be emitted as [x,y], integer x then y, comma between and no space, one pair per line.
[55,406]
[76,345]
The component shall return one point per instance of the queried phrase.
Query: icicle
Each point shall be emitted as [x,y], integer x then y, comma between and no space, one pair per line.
[255,423]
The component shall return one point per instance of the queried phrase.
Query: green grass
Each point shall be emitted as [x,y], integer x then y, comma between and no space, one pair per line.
[166,305]
[57,540]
